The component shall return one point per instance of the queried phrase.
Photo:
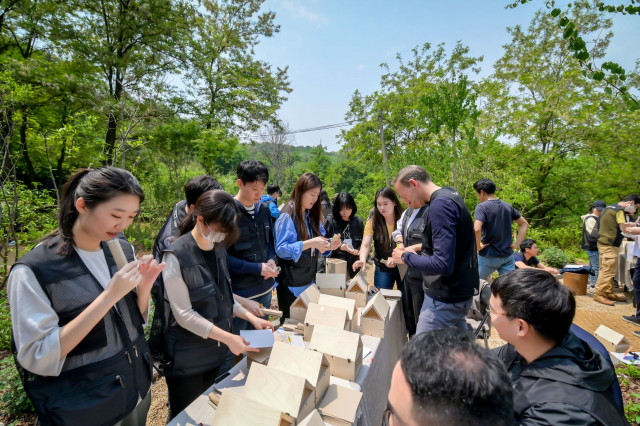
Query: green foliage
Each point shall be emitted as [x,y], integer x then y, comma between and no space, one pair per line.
[13,398]
[5,322]
[611,73]
[625,374]
[555,257]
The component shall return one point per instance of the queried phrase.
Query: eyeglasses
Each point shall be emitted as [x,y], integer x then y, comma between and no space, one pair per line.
[386,415]
[491,311]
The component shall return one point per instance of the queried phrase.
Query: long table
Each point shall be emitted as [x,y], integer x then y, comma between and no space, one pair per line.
[374,377]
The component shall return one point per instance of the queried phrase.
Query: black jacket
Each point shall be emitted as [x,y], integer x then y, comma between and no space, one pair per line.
[354,230]
[568,385]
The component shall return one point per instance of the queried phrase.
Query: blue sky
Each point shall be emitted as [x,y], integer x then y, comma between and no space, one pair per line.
[333,47]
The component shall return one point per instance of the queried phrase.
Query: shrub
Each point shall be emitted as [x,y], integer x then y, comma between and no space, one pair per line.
[555,257]
[13,398]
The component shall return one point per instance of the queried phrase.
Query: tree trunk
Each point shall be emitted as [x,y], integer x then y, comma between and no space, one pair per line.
[455,162]
[31,173]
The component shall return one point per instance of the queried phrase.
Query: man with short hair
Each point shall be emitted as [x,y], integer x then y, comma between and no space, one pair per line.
[611,224]
[271,199]
[252,265]
[557,378]
[445,378]
[492,227]
[527,257]
[193,189]
[448,258]
[590,238]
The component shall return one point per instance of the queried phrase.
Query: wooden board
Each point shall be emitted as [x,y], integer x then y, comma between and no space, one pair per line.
[377,308]
[342,348]
[338,302]
[313,419]
[334,284]
[311,365]
[286,392]
[324,315]
[340,404]
[235,409]
[298,308]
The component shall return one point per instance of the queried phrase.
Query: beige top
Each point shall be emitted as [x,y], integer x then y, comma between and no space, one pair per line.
[178,295]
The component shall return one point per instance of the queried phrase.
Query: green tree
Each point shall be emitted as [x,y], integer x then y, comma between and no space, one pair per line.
[131,45]
[551,111]
[611,73]
[229,87]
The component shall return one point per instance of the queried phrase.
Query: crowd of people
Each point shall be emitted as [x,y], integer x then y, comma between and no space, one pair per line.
[78,319]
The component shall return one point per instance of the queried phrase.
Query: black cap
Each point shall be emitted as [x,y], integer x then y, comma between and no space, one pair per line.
[599,205]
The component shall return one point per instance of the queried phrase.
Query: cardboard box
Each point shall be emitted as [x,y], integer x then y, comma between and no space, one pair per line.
[341,302]
[373,319]
[293,395]
[310,365]
[612,340]
[313,419]
[357,290]
[333,284]
[337,266]
[235,409]
[342,348]
[340,405]
[325,315]
[298,309]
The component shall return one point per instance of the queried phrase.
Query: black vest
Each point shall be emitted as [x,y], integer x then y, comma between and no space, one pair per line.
[355,231]
[382,251]
[414,234]
[110,369]
[465,279]
[590,239]
[302,272]
[256,235]
[211,297]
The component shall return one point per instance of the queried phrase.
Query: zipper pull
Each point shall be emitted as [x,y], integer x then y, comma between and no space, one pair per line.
[118,378]
[129,356]
[136,351]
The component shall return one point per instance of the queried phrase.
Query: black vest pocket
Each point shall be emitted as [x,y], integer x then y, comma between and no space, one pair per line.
[93,403]
[96,339]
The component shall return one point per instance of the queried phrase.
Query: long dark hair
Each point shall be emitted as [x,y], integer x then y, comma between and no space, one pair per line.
[380,232]
[94,186]
[343,199]
[215,207]
[306,182]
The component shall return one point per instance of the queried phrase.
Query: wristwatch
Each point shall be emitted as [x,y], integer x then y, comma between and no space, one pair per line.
[403,256]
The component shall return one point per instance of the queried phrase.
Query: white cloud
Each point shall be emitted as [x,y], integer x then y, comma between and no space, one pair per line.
[297,10]
[360,67]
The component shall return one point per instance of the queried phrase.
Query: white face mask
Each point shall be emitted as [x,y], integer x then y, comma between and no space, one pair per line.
[630,209]
[213,237]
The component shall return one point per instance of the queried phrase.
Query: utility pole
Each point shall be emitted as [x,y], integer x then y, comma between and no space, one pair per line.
[384,150]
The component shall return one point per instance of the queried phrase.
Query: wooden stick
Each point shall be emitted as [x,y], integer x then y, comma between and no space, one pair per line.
[272,312]
[117,253]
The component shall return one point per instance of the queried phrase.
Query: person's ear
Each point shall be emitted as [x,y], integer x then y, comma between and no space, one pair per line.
[523,327]
[192,208]
[240,184]
[81,206]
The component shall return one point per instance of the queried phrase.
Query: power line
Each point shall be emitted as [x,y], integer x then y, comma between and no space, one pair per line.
[310,129]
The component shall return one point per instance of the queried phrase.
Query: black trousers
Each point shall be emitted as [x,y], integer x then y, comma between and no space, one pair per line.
[414,296]
[285,299]
[183,390]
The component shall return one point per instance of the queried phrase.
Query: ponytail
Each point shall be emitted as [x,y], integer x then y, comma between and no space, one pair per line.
[94,186]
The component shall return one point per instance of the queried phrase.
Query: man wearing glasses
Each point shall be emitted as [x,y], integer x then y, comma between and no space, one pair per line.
[557,378]
[445,378]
